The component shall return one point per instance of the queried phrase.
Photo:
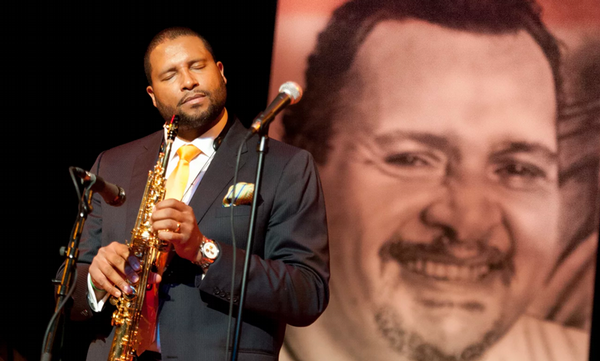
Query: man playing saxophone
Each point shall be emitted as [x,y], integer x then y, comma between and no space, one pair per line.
[289,268]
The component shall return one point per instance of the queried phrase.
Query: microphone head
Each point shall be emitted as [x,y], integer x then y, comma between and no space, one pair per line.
[293,90]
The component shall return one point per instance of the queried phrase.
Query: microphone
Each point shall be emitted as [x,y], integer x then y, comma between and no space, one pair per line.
[112,194]
[289,93]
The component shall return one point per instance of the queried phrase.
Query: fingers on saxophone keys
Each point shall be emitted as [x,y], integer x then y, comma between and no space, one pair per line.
[116,290]
[154,278]
[121,287]
[134,263]
[107,286]
[132,276]
[124,287]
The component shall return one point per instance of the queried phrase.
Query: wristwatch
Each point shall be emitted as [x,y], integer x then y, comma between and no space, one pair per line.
[210,251]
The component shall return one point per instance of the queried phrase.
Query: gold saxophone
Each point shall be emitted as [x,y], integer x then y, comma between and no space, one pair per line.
[146,246]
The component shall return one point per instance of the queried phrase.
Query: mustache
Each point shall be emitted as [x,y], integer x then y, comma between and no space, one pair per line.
[418,254]
[193,94]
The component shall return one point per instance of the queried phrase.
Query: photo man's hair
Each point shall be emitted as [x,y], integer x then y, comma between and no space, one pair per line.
[308,124]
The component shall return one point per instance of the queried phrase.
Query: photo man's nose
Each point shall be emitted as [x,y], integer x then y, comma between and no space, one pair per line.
[466,212]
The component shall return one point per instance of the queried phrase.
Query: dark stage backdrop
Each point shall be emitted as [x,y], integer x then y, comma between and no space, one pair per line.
[74,86]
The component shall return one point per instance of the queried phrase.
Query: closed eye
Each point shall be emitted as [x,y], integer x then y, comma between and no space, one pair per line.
[168,76]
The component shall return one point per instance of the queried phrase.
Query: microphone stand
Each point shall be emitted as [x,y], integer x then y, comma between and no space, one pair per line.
[289,93]
[66,285]
[261,149]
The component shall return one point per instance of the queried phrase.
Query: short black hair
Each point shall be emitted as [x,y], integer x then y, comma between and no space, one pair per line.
[170,34]
[308,124]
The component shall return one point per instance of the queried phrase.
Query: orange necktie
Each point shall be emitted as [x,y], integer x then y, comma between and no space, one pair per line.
[178,180]
[176,185]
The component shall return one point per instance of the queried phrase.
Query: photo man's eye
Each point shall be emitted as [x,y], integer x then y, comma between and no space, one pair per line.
[412,165]
[408,160]
[518,175]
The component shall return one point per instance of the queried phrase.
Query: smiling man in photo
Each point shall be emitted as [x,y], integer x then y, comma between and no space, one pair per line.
[434,126]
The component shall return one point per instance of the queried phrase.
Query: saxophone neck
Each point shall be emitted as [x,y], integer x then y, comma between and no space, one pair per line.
[171,126]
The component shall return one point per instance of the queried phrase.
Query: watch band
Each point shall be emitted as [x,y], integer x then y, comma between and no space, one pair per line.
[210,251]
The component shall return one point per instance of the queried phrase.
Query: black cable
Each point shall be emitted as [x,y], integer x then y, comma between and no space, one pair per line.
[231,217]
[58,311]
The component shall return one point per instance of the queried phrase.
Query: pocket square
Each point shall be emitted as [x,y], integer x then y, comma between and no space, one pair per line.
[244,192]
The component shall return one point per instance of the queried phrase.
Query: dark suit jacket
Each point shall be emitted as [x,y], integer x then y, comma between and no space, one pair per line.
[289,269]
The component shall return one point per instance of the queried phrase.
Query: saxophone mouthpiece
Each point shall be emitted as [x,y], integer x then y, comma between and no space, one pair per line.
[172,126]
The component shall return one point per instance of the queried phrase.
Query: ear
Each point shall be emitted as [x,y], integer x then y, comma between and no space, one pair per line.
[150,92]
[222,70]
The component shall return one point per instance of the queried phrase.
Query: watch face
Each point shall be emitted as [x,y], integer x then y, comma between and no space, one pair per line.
[210,250]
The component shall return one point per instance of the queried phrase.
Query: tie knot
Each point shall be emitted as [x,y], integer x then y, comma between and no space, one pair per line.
[188,152]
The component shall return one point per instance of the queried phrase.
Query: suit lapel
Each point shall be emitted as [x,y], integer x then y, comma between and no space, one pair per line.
[220,172]
[217,178]
[144,162]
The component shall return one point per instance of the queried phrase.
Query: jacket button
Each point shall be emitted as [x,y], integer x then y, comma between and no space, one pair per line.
[85,312]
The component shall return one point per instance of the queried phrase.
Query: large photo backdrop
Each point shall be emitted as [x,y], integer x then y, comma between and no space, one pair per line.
[458,146]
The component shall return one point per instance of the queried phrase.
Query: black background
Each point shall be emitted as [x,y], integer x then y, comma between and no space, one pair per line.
[74,86]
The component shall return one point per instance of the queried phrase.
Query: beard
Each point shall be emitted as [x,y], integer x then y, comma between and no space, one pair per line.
[216,104]
[420,343]
[411,345]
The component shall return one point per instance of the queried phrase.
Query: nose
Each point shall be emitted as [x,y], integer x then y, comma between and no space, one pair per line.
[466,212]
[188,80]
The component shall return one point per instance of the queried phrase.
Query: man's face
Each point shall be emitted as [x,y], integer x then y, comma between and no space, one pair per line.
[441,189]
[187,81]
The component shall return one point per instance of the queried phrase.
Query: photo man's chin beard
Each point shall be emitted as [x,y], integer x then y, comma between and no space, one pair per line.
[451,314]
[413,346]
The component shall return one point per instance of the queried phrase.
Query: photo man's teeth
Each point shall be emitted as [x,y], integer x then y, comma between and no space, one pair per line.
[447,271]
[419,265]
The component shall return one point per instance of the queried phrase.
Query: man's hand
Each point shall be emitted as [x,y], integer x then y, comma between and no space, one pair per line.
[113,270]
[175,222]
